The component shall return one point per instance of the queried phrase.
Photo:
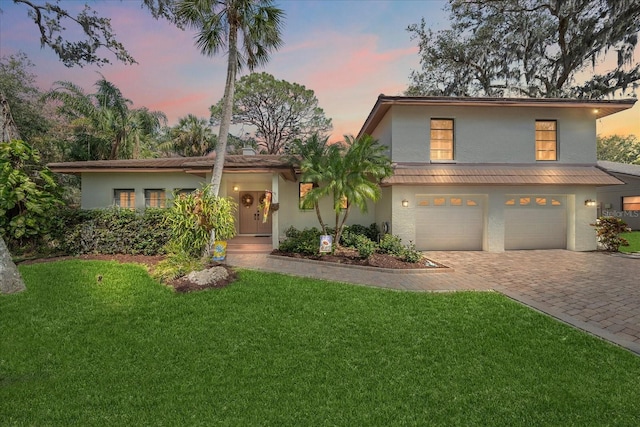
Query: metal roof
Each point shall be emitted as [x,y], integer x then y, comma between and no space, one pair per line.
[498,174]
[624,168]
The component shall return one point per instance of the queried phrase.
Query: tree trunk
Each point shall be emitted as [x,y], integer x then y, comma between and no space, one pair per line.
[10,279]
[227,109]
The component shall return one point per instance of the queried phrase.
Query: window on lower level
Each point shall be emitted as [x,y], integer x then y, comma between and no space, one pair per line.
[546,140]
[154,198]
[304,188]
[631,203]
[124,198]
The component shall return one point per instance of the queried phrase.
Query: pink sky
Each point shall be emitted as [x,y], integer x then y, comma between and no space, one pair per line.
[348,52]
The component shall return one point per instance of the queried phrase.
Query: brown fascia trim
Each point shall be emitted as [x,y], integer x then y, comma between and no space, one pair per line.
[384,103]
[75,171]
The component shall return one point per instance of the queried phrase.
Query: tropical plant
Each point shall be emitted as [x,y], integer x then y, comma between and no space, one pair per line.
[195,216]
[192,136]
[281,112]
[608,230]
[29,195]
[531,48]
[255,25]
[312,156]
[103,121]
[350,172]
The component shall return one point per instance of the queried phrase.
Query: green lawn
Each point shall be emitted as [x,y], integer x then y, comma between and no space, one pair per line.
[284,351]
[634,242]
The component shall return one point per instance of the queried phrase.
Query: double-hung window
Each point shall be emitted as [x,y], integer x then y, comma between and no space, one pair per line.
[546,140]
[441,141]
[124,198]
[154,198]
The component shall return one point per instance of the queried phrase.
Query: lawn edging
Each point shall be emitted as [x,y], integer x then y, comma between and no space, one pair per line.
[406,271]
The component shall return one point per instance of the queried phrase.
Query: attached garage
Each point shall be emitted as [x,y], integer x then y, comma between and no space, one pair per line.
[535,222]
[449,222]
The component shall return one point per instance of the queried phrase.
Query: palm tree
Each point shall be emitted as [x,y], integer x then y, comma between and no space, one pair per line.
[224,24]
[103,121]
[142,125]
[313,156]
[192,136]
[350,172]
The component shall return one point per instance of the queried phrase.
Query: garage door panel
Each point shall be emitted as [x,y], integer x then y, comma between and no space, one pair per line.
[535,228]
[449,228]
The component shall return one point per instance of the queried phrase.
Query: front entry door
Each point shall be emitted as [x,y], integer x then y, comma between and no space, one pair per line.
[251,214]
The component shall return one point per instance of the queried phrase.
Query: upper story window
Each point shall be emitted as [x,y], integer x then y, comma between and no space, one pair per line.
[124,198]
[546,140]
[441,139]
[154,198]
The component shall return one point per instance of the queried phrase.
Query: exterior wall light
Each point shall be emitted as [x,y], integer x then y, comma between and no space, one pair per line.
[235,188]
[590,203]
[405,203]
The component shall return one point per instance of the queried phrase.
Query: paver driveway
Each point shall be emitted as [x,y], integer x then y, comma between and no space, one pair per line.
[595,291]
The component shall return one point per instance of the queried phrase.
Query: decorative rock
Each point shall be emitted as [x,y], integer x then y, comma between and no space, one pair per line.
[209,276]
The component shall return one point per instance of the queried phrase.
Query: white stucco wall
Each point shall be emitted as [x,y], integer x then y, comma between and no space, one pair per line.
[97,188]
[492,134]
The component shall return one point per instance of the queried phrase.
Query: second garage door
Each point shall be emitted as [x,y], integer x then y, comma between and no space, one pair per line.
[535,222]
[449,223]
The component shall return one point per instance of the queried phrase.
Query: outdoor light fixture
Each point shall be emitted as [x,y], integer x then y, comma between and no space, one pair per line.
[405,203]
[235,188]
[590,203]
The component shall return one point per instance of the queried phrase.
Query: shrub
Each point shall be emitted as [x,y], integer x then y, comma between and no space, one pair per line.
[608,231]
[411,254]
[350,233]
[305,242]
[365,246]
[176,264]
[392,245]
[111,231]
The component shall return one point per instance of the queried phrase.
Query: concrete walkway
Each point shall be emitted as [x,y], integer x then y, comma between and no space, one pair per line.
[593,291]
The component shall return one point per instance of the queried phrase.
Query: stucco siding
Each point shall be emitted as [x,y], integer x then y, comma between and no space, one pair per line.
[98,188]
[493,135]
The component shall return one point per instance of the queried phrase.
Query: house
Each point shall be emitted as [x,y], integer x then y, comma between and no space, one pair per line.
[621,201]
[469,174]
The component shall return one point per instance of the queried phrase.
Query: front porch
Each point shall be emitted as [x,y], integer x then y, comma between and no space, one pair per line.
[250,245]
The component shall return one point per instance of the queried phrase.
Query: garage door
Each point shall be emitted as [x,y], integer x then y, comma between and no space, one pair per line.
[535,222]
[449,223]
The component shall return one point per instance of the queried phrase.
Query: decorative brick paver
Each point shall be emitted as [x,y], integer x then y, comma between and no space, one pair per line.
[594,291]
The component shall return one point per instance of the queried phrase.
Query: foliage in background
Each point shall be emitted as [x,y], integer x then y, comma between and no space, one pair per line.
[103,125]
[281,112]
[616,148]
[608,230]
[531,48]
[191,137]
[194,216]
[29,195]
[112,231]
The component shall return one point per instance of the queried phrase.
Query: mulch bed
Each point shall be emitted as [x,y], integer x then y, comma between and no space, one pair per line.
[350,256]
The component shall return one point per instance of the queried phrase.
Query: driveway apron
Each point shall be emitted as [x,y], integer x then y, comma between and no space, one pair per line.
[594,291]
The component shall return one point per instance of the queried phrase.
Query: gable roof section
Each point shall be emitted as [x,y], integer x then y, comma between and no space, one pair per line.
[498,174]
[601,108]
[622,168]
[233,163]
